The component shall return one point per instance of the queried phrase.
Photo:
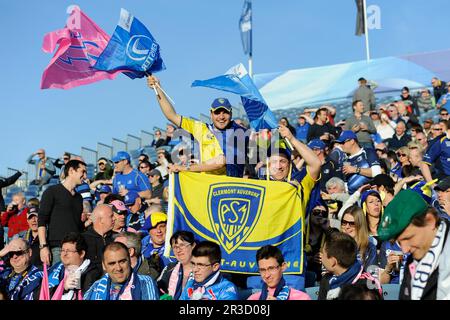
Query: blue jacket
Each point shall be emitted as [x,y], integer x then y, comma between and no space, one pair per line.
[143,288]
[220,290]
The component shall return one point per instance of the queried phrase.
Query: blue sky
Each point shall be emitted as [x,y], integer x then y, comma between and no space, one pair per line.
[200,39]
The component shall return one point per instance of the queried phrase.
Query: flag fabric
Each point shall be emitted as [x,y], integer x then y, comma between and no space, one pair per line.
[360,25]
[241,215]
[79,46]
[237,80]
[245,25]
[132,47]
[44,293]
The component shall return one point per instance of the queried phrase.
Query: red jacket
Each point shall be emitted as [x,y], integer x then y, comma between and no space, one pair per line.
[15,221]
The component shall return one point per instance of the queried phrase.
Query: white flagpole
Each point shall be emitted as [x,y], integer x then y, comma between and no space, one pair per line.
[366,32]
[250,66]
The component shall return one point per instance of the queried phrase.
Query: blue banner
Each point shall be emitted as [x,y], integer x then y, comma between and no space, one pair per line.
[240,215]
[245,25]
[237,81]
[131,47]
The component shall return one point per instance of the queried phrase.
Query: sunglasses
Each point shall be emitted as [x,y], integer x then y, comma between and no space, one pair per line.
[17,253]
[347,223]
[121,212]
[437,129]
[66,158]
[381,150]
[101,164]
[143,167]
[401,155]
[444,114]
[319,212]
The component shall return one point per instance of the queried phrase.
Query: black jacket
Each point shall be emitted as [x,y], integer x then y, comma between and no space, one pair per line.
[61,212]
[316,130]
[440,90]
[96,243]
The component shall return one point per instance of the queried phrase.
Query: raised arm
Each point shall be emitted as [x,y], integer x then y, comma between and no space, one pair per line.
[313,164]
[166,107]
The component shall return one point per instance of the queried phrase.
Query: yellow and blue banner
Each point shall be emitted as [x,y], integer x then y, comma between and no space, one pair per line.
[241,215]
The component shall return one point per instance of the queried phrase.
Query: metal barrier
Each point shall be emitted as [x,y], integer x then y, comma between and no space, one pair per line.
[118,145]
[104,151]
[89,156]
[146,138]
[204,118]
[133,142]
[22,182]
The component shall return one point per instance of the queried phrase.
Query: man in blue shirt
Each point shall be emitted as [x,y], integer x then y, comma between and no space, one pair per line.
[206,282]
[361,164]
[302,128]
[129,179]
[439,150]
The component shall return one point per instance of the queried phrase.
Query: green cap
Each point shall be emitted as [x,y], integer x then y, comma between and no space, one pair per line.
[399,213]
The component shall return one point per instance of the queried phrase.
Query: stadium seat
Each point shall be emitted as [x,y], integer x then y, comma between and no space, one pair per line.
[53,181]
[313,292]
[391,291]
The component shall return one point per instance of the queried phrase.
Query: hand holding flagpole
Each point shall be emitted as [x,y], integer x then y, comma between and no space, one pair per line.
[153,86]
[153,82]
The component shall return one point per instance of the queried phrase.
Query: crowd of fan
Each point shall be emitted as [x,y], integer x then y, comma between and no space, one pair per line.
[379,199]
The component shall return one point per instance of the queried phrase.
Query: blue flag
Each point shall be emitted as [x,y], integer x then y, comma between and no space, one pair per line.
[131,47]
[237,81]
[245,25]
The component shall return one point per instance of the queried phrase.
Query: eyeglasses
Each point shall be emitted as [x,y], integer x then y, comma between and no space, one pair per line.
[347,223]
[17,253]
[201,266]
[65,251]
[402,155]
[270,269]
[180,246]
[319,212]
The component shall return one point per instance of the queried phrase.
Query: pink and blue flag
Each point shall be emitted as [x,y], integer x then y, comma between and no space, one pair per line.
[80,43]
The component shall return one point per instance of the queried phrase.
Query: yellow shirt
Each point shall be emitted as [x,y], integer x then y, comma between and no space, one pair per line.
[209,145]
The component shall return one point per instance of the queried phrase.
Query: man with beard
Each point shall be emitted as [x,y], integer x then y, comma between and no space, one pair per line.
[219,151]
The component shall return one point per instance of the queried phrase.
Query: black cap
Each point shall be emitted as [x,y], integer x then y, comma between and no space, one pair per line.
[382,180]
[443,185]
[362,79]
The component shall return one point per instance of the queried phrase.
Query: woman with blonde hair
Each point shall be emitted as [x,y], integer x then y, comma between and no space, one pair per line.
[354,224]
[403,155]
